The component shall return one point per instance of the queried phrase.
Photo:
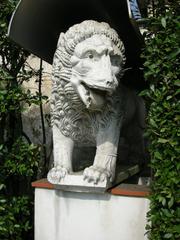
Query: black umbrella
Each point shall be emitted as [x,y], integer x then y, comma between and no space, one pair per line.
[36,24]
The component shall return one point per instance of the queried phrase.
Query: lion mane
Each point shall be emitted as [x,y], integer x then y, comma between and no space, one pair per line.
[67,110]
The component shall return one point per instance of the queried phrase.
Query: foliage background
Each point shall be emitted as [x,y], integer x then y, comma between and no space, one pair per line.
[19,158]
[162,71]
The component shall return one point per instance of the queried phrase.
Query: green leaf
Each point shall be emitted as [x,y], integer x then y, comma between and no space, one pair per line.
[2,186]
[176,228]
[164,202]
[177,83]
[168,97]
[158,155]
[163,22]
[171,202]
[17,226]
[152,87]
[168,235]
[153,123]
[162,140]
[174,53]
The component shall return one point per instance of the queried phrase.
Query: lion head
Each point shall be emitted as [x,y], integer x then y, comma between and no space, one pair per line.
[87,66]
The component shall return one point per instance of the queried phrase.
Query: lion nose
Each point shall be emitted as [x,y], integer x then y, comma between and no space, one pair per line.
[106,66]
[112,82]
[109,83]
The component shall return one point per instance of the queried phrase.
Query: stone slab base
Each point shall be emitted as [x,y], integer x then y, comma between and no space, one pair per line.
[62,215]
[75,182]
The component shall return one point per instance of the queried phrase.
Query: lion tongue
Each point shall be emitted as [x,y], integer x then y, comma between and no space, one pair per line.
[90,98]
[97,100]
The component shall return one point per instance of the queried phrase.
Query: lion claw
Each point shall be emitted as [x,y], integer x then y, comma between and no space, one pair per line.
[95,174]
[56,174]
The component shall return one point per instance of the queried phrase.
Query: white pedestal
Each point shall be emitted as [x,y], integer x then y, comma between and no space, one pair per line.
[61,215]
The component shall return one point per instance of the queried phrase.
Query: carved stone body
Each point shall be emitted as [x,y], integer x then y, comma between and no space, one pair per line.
[90,107]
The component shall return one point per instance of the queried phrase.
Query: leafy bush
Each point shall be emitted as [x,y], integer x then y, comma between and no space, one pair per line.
[12,210]
[162,72]
[22,160]
[18,157]
[17,168]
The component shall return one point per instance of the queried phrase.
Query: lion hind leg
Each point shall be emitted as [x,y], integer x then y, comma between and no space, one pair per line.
[134,134]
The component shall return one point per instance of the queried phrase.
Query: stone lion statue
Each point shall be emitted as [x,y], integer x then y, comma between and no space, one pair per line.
[90,106]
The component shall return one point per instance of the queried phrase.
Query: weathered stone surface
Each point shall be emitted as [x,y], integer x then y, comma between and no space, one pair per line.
[90,106]
[78,216]
[75,181]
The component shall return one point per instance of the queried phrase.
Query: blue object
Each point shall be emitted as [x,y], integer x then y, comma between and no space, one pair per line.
[135,9]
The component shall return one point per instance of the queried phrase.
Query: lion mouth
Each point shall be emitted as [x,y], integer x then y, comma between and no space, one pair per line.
[99,90]
[96,98]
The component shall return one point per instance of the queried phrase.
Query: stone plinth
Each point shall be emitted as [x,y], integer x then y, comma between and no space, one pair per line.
[119,214]
[75,182]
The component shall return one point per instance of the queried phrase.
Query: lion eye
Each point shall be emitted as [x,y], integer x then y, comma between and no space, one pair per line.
[90,55]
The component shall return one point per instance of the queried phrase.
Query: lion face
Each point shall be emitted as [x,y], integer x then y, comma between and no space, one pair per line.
[87,60]
[97,63]
[95,66]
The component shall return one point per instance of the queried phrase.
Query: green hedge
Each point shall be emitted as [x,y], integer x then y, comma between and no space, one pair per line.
[162,71]
[18,157]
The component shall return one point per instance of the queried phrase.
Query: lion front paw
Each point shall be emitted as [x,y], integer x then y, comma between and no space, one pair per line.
[56,174]
[96,174]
